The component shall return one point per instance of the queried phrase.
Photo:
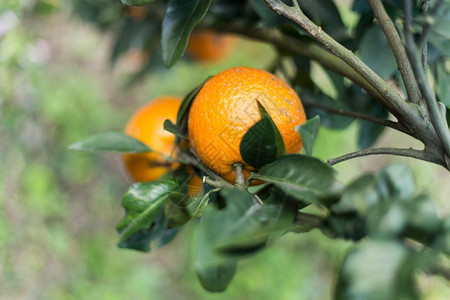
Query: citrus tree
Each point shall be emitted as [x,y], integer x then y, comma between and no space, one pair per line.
[241,132]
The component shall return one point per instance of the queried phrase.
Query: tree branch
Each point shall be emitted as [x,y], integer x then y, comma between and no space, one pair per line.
[410,115]
[439,124]
[428,22]
[383,122]
[417,154]
[397,48]
[305,49]
[390,98]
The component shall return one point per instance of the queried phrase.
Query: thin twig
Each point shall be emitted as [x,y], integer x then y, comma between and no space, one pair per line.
[397,48]
[188,159]
[353,114]
[213,183]
[428,22]
[306,49]
[257,200]
[425,5]
[439,124]
[409,115]
[407,152]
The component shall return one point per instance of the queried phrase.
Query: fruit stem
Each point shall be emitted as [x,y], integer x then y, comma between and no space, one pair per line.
[190,160]
[240,178]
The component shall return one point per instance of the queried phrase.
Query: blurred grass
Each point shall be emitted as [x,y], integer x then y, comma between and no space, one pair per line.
[58,209]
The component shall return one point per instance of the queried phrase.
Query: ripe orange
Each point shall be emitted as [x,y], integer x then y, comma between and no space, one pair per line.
[209,46]
[225,108]
[146,125]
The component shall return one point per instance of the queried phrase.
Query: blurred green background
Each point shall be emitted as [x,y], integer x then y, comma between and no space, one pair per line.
[58,209]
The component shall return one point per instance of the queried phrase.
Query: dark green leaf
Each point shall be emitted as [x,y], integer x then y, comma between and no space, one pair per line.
[262,143]
[179,20]
[377,270]
[396,181]
[308,133]
[268,16]
[216,278]
[326,14]
[110,142]
[439,33]
[172,128]
[183,111]
[213,269]
[143,35]
[142,203]
[415,218]
[376,52]
[329,120]
[136,2]
[369,131]
[140,240]
[358,197]
[176,211]
[303,177]
[252,231]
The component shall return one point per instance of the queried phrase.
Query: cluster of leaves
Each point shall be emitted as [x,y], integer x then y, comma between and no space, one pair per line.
[299,192]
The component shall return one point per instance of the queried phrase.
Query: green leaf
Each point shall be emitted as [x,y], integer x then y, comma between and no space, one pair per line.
[252,231]
[176,211]
[142,203]
[268,16]
[415,218]
[214,270]
[199,204]
[376,52]
[308,133]
[439,33]
[183,111]
[329,120]
[110,142]
[377,270]
[262,143]
[172,128]
[326,14]
[303,177]
[144,34]
[136,2]
[179,20]
[216,278]
[140,240]
[369,131]
[396,181]
[358,197]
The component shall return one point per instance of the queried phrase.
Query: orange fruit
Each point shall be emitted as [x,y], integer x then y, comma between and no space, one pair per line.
[225,108]
[146,125]
[195,186]
[209,46]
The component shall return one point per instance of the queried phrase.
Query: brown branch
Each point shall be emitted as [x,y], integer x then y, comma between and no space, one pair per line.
[303,48]
[407,152]
[397,48]
[410,115]
[383,122]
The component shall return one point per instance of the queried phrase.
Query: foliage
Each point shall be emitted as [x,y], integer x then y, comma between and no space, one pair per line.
[395,229]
